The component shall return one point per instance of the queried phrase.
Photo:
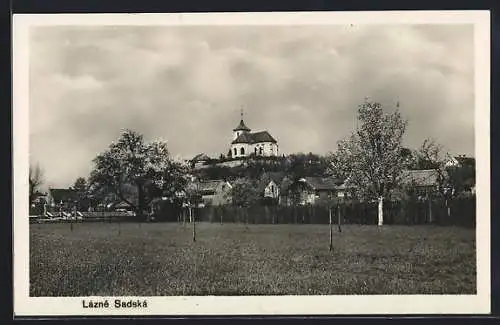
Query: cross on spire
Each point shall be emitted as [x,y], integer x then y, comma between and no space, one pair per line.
[241,113]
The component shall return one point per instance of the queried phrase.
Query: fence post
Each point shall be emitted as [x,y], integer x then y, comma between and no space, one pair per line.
[193,221]
[430,211]
[330,248]
[340,229]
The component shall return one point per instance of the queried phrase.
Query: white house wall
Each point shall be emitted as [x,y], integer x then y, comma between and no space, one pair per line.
[271,190]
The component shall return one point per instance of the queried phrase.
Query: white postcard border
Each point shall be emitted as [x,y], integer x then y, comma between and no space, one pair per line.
[254,305]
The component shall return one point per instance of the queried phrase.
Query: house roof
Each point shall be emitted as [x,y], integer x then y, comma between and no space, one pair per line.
[208,187]
[466,161]
[200,157]
[424,177]
[322,183]
[63,194]
[241,127]
[277,177]
[120,205]
[257,137]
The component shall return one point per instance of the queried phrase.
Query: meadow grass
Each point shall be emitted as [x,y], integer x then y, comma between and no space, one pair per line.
[159,259]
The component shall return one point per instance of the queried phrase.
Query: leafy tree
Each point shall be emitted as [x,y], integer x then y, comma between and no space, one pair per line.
[36,180]
[80,186]
[462,178]
[409,159]
[302,165]
[370,158]
[431,155]
[245,192]
[135,171]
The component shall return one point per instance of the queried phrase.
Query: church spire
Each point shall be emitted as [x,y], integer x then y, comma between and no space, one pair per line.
[242,126]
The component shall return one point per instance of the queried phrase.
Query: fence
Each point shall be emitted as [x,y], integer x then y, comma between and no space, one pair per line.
[458,212]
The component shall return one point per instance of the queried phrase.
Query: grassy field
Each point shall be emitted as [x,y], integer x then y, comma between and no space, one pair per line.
[105,259]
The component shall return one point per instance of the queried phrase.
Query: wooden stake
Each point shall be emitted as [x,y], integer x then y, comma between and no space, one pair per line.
[194,223]
[331,230]
[338,214]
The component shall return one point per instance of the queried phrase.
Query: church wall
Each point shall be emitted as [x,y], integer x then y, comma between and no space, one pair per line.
[268,148]
[238,147]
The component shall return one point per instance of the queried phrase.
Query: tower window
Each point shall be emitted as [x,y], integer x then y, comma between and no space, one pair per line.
[242,151]
[235,152]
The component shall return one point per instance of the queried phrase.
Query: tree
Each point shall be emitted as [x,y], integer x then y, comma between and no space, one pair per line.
[245,193]
[302,165]
[35,180]
[81,188]
[409,159]
[370,158]
[135,171]
[431,155]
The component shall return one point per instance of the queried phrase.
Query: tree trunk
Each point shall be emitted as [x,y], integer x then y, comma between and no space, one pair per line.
[380,210]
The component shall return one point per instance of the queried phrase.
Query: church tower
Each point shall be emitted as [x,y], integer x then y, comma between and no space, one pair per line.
[240,128]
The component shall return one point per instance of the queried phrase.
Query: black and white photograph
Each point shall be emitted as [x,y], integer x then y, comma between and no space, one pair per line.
[224,163]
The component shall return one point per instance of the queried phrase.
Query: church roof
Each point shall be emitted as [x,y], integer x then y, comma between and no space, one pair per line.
[257,137]
[242,127]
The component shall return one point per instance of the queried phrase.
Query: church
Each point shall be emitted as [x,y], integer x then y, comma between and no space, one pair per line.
[246,143]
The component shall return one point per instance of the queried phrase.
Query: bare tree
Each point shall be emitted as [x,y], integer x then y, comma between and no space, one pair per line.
[36,180]
[371,157]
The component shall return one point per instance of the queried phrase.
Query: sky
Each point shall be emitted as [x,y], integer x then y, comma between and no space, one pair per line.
[187,86]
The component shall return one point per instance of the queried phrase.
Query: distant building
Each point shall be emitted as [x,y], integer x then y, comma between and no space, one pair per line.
[246,143]
[120,206]
[215,192]
[313,190]
[270,185]
[199,160]
[422,182]
[461,161]
[63,198]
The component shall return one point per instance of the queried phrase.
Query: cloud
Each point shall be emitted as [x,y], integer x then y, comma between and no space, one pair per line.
[187,85]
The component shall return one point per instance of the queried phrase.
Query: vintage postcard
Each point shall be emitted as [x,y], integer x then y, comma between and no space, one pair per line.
[312,163]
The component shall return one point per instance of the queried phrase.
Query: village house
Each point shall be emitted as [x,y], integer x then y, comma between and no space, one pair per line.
[245,143]
[311,191]
[199,161]
[269,186]
[62,198]
[215,192]
[421,182]
[461,161]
